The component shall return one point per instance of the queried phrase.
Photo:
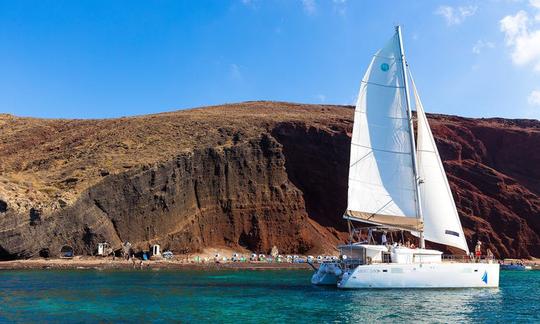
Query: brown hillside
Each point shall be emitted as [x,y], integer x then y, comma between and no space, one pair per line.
[254,174]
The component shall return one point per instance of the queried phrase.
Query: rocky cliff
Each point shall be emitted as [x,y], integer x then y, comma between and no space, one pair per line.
[249,175]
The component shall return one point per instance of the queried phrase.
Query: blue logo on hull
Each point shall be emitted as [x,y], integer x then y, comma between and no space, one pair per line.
[484,277]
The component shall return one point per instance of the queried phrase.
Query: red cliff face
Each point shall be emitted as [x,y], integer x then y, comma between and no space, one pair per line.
[493,168]
[249,175]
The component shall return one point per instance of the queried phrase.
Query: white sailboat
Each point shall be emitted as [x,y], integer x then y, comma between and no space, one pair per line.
[395,183]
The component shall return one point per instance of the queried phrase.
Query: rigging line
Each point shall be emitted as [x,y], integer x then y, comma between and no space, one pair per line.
[363,157]
[378,210]
[382,85]
[379,150]
[381,186]
[389,117]
[388,58]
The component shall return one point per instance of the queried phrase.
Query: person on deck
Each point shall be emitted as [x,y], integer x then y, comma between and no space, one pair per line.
[489,254]
[383,238]
[478,250]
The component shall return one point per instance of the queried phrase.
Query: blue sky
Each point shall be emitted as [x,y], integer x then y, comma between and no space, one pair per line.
[98,59]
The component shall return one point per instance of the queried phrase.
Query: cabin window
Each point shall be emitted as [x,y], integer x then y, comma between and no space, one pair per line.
[386,257]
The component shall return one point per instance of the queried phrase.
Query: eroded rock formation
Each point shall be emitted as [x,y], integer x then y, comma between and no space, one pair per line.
[249,175]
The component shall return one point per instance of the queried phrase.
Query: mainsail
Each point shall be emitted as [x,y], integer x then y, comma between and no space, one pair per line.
[382,185]
[441,220]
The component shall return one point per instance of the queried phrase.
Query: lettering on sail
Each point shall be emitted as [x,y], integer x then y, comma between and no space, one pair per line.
[449,232]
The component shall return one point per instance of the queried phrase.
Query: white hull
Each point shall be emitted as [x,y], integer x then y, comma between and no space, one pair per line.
[425,275]
[327,275]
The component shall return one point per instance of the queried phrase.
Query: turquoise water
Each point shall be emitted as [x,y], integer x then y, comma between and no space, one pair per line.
[249,296]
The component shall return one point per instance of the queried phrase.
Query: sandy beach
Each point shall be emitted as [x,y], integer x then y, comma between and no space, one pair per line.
[108,263]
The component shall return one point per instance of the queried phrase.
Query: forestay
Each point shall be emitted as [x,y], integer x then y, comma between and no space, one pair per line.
[381,175]
[441,220]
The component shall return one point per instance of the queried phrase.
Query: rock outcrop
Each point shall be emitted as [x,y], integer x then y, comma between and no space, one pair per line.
[249,175]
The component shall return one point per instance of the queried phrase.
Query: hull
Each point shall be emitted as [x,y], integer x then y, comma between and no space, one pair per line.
[426,275]
[327,275]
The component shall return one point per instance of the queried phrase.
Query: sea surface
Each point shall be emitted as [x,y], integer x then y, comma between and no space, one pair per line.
[244,296]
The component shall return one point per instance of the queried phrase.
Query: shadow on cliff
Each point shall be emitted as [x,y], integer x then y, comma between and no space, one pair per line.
[317,162]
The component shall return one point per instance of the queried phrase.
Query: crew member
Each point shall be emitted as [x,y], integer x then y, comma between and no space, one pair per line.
[478,250]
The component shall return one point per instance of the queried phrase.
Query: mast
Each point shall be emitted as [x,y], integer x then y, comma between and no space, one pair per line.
[409,114]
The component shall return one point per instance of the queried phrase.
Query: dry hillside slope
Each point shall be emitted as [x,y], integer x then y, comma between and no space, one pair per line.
[251,175]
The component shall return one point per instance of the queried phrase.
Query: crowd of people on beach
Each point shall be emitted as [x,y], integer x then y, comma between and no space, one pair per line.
[139,260]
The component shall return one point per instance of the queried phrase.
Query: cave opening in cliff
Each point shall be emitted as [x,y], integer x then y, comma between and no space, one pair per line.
[6,256]
[66,252]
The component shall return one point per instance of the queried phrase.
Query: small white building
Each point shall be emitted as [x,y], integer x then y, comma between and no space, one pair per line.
[156,250]
[104,249]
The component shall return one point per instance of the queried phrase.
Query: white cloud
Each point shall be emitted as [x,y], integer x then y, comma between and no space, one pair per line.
[310,7]
[480,45]
[514,26]
[535,3]
[235,72]
[522,36]
[253,4]
[340,6]
[321,97]
[534,98]
[455,16]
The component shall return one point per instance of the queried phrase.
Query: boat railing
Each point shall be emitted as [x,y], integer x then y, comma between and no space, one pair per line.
[351,263]
[466,259]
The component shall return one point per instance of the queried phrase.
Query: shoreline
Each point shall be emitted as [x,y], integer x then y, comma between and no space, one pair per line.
[107,263]
[122,264]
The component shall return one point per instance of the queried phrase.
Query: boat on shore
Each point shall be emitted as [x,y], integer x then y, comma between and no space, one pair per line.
[399,184]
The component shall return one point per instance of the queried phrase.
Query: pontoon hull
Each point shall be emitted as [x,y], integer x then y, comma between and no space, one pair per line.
[327,275]
[426,275]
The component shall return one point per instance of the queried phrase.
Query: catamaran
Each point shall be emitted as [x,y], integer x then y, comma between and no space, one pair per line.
[397,184]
